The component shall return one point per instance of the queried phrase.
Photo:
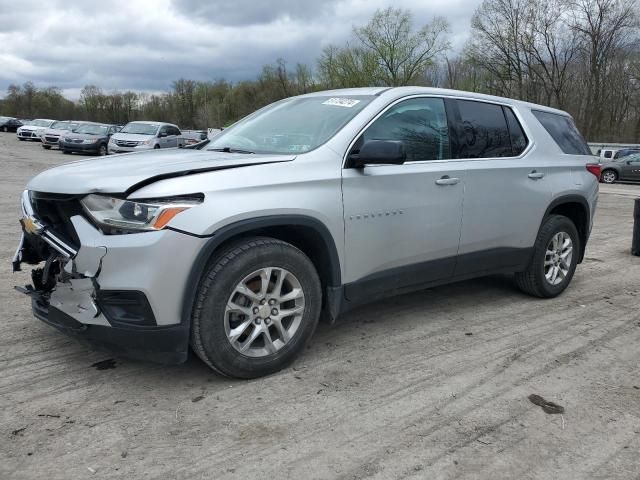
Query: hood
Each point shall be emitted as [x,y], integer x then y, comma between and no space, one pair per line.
[135,137]
[55,131]
[32,128]
[81,136]
[129,172]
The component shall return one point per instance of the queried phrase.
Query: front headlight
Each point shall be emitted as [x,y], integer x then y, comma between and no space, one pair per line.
[136,215]
[112,141]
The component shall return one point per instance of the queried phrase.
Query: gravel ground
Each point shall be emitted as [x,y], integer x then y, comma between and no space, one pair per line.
[428,385]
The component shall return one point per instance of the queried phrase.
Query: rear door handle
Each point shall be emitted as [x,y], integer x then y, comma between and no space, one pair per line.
[535,175]
[447,180]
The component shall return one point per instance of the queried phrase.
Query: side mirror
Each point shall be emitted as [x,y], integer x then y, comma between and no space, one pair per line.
[379,152]
[163,134]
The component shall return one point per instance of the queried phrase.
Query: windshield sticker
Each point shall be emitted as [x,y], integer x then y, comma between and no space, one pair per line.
[341,102]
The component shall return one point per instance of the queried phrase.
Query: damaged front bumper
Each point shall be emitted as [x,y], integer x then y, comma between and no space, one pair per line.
[123,293]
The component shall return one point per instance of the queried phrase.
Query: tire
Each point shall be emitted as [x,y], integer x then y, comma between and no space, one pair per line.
[66,152]
[21,139]
[609,176]
[5,129]
[102,151]
[156,146]
[534,280]
[46,147]
[238,264]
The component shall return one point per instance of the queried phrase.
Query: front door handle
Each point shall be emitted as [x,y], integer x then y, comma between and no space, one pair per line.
[535,175]
[447,180]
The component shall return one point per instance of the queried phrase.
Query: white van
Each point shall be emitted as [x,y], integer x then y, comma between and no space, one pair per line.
[138,136]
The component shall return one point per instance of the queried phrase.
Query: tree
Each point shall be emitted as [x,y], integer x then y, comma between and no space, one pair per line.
[607,28]
[402,53]
[91,99]
[386,51]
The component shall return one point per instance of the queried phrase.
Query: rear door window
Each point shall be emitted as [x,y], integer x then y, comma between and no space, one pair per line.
[564,132]
[607,153]
[483,132]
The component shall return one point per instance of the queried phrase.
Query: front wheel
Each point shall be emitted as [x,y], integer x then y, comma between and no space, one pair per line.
[554,259]
[5,129]
[257,306]
[46,147]
[609,176]
[102,151]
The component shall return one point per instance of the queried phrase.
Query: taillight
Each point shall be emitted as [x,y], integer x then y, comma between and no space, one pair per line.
[595,168]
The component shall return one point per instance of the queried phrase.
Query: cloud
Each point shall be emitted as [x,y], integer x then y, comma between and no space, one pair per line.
[146,44]
[251,12]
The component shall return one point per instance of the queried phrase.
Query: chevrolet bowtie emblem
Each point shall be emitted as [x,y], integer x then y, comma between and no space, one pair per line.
[31,226]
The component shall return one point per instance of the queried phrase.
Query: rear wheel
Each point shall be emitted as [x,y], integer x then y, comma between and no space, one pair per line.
[609,176]
[554,259]
[66,152]
[256,308]
[5,129]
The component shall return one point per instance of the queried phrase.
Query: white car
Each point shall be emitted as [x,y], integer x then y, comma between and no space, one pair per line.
[50,136]
[34,129]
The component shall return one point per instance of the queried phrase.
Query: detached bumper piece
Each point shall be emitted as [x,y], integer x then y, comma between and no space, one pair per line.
[166,345]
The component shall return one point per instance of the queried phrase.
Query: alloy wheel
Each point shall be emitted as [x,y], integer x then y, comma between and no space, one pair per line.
[608,177]
[264,312]
[558,256]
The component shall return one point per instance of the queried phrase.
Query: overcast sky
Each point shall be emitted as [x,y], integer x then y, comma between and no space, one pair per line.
[145,44]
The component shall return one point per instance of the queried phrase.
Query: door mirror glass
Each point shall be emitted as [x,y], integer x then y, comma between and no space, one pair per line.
[162,134]
[379,152]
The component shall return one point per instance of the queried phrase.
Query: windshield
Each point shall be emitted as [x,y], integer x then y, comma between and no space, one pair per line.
[41,123]
[294,125]
[92,129]
[140,128]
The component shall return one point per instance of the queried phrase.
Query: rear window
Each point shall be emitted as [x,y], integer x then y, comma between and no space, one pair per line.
[484,131]
[564,132]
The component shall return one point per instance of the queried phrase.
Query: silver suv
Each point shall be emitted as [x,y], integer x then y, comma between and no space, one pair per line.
[139,136]
[303,210]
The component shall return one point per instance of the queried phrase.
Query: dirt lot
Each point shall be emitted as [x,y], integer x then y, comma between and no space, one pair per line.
[428,385]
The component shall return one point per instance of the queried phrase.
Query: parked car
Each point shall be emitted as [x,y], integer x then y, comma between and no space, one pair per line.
[9,124]
[624,152]
[50,136]
[320,202]
[88,137]
[191,137]
[138,136]
[625,168]
[33,129]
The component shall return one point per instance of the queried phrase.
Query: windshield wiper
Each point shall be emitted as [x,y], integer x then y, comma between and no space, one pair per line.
[229,150]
